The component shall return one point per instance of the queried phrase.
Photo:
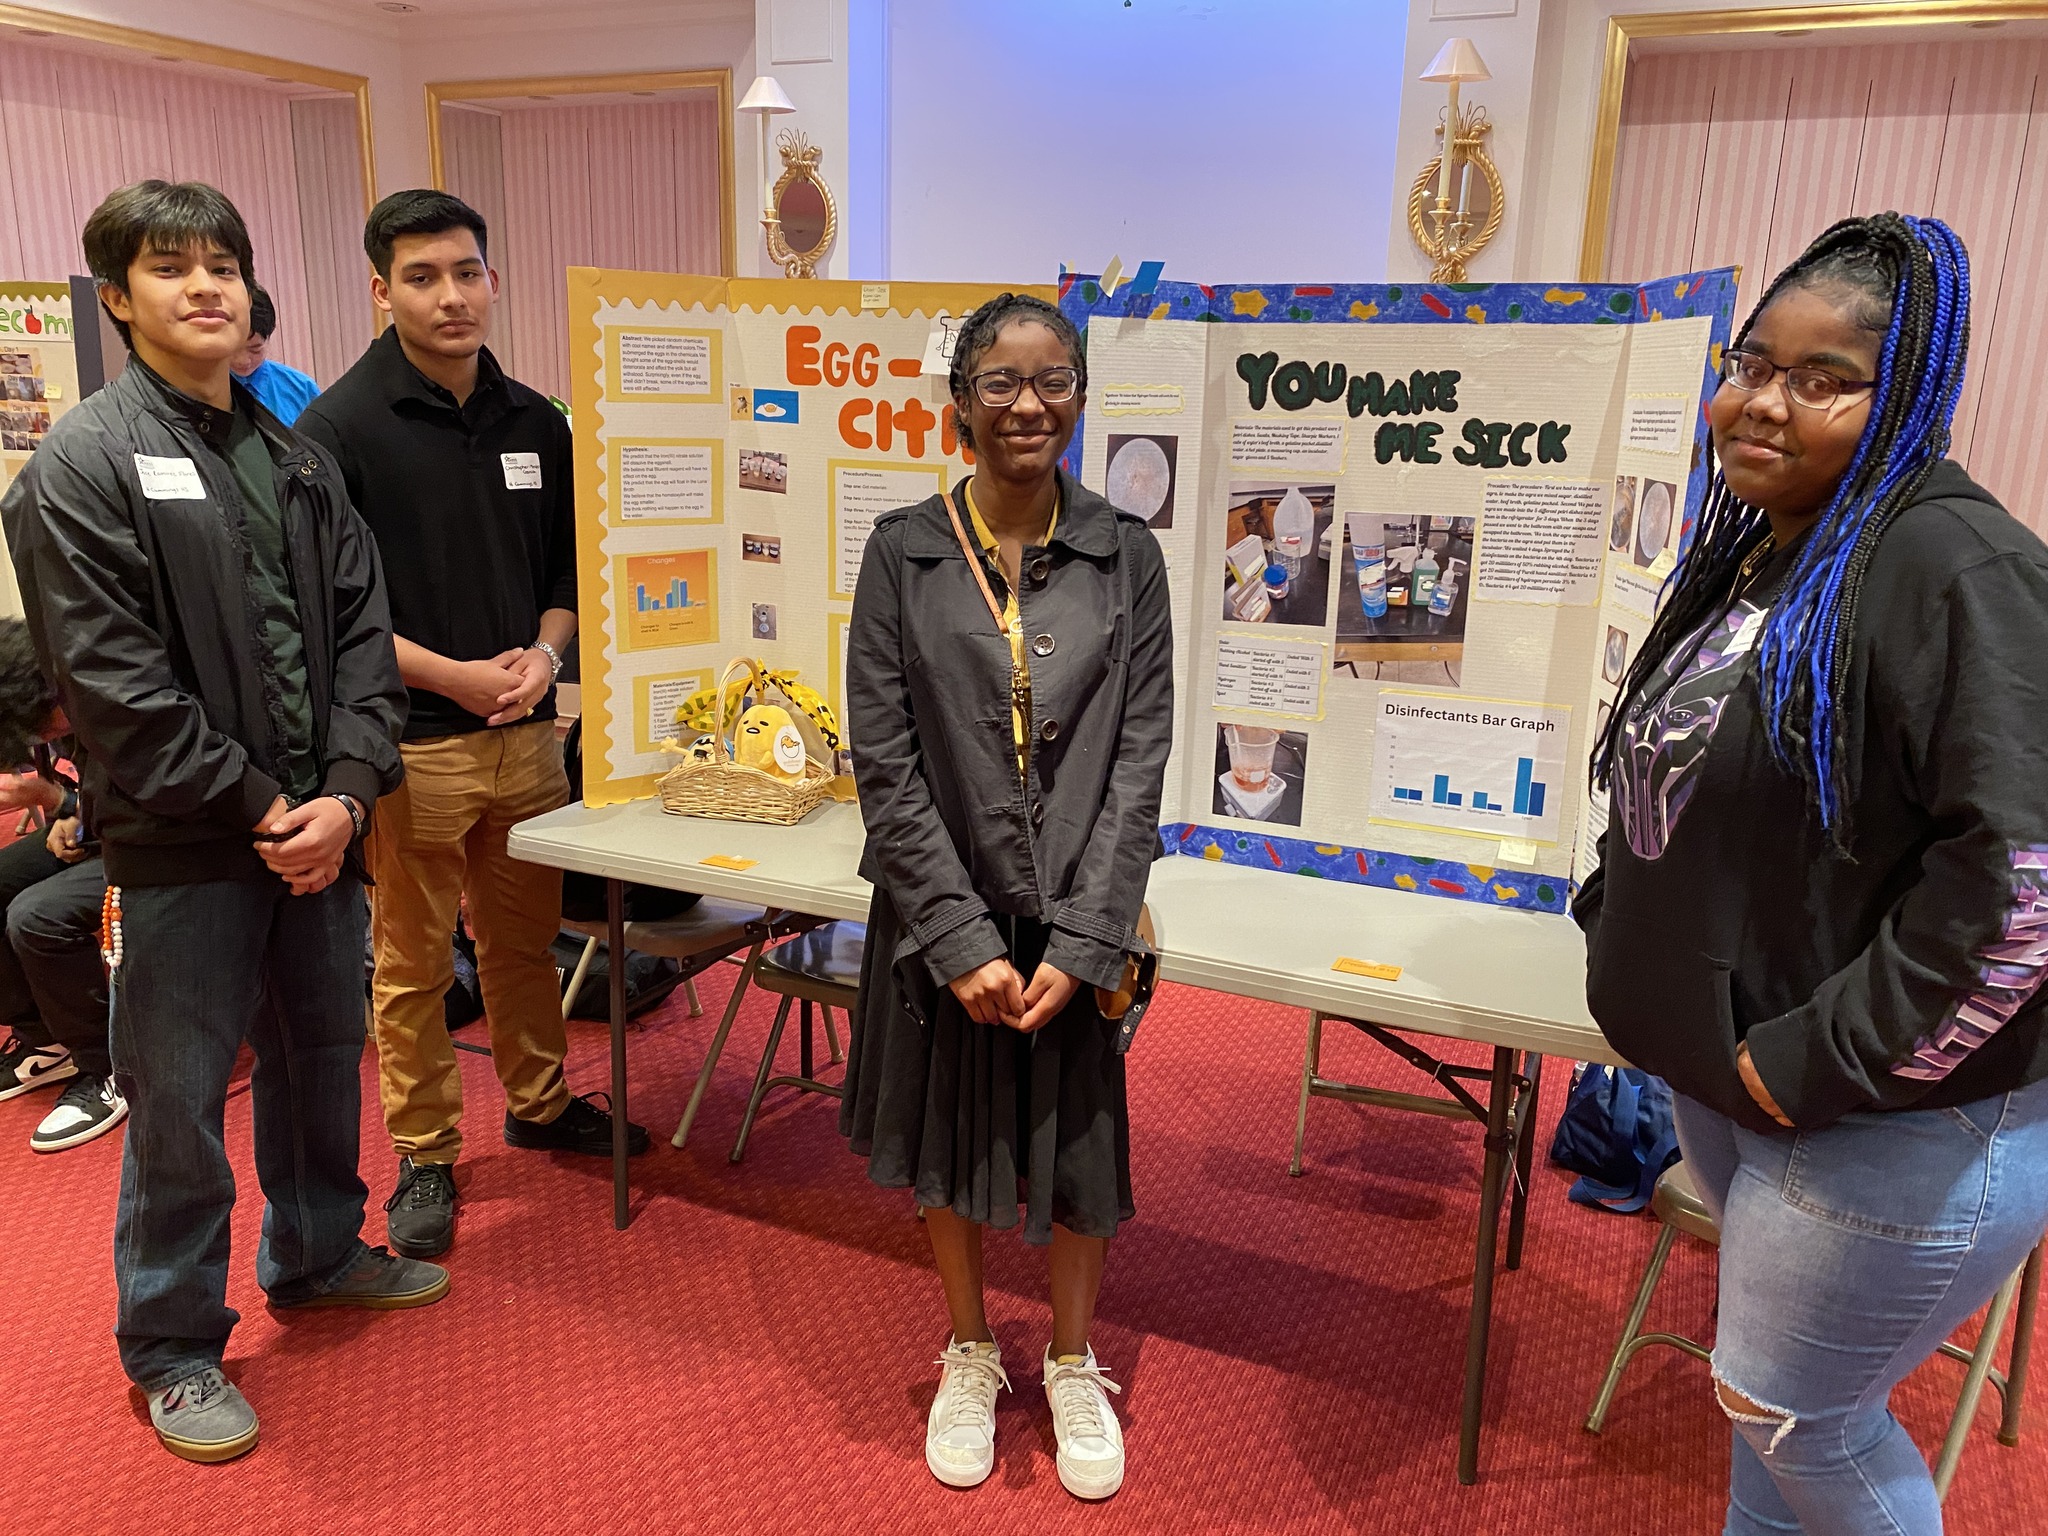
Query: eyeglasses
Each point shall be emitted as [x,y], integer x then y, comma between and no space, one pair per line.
[1055,386]
[1814,388]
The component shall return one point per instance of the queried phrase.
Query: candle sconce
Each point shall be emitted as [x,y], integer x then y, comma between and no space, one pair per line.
[1454,225]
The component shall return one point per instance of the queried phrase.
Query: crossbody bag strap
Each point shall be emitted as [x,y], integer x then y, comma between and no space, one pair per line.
[995,609]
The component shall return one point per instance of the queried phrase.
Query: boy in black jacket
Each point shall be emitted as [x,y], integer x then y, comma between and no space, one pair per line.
[213,614]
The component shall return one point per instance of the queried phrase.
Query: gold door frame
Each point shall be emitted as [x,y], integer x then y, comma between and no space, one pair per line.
[441,92]
[1833,19]
[156,44]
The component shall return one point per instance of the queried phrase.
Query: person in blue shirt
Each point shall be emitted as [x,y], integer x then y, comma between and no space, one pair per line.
[283,390]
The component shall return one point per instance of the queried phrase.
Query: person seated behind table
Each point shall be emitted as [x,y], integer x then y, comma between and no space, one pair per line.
[1822,906]
[281,388]
[53,986]
[981,1072]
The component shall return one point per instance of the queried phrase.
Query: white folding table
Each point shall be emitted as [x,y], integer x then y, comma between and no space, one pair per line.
[1511,980]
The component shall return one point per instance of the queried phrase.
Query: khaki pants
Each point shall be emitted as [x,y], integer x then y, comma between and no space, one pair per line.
[440,835]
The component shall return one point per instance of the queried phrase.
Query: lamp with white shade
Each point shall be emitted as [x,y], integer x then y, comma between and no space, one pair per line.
[765,99]
[1446,231]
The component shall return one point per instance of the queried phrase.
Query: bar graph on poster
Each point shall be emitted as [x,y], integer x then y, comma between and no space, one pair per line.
[1479,767]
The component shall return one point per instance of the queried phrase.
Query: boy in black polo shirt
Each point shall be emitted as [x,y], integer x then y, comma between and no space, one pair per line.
[212,613]
[464,477]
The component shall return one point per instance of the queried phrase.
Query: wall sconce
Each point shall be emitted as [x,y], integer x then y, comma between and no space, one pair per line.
[1455,228]
[766,99]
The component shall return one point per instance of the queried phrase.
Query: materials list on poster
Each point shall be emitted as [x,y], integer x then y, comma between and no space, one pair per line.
[1541,541]
[1290,446]
[1282,677]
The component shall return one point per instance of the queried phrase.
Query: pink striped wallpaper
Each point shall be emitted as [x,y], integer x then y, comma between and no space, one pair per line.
[73,127]
[629,186]
[1746,156]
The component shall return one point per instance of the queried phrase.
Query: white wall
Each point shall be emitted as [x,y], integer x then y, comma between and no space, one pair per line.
[1238,142]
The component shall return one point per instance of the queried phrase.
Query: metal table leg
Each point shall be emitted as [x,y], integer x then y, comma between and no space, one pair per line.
[1526,1100]
[1499,1145]
[615,919]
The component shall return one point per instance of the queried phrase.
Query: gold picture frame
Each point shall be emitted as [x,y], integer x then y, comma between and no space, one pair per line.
[799,169]
[1625,31]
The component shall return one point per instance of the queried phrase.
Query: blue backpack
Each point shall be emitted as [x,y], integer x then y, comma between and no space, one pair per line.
[1616,1134]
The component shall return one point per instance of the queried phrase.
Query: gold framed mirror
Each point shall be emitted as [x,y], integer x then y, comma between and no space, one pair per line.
[803,219]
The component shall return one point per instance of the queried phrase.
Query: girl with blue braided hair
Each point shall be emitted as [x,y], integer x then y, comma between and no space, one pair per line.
[1822,906]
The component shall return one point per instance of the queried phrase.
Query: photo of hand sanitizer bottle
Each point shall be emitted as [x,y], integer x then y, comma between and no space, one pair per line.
[1445,597]
[1424,580]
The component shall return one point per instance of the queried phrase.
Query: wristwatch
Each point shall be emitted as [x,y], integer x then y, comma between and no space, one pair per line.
[554,658]
[354,807]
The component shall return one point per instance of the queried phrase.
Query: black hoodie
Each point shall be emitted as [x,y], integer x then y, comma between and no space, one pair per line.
[1907,975]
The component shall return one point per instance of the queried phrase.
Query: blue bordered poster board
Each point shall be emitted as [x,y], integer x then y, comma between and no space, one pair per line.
[1643,440]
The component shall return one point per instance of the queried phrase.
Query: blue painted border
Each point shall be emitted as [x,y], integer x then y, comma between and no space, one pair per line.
[1263,849]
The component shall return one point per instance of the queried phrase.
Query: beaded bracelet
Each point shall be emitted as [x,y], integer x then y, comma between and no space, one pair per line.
[110,928]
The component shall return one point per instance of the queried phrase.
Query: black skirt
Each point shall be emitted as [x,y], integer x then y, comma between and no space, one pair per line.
[978,1118]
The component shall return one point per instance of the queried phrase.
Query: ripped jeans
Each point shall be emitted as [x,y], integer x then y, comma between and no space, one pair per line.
[1847,1256]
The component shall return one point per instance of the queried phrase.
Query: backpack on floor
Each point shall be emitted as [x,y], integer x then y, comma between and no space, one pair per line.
[1617,1134]
[649,978]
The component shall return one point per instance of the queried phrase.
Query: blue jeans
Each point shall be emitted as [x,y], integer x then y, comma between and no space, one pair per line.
[204,967]
[1847,1256]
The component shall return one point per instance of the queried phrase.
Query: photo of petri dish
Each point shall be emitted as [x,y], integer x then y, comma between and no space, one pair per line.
[1616,657]
[1653,523]
[1622,538]
[1140,478]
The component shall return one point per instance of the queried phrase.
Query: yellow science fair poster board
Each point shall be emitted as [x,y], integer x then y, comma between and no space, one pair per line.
[735,441]
[1415,536]
[38,383]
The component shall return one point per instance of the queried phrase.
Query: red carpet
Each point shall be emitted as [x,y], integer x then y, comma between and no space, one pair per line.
[752,1354]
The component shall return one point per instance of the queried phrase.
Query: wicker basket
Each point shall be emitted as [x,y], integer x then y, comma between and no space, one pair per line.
[729,792]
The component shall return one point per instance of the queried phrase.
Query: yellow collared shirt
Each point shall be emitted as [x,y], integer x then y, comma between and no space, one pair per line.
[1020,663]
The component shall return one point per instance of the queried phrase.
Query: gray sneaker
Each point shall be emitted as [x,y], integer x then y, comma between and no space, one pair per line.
[380,1280]
[202,1417]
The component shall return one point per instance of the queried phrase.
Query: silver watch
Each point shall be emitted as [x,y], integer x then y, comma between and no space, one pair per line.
[554,658]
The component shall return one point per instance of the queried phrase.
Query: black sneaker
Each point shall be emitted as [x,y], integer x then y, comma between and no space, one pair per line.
[421,1211]
[25,1068]
[89,1107]
[582,1127]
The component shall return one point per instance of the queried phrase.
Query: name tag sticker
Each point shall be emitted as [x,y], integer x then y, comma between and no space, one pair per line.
[1352,967]
[1746,636]
[522,471]
[728,861]
[169,479]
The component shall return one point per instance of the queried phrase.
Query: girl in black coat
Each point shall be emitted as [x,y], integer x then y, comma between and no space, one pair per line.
[1010,687]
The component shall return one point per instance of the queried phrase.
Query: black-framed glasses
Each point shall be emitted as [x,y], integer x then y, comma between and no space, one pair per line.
[1000,387]
[1814,388]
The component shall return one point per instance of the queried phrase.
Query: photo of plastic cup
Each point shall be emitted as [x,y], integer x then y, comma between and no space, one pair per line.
[1251,753]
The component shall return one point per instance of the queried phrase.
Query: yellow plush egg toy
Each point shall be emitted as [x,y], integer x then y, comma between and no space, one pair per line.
[768,740]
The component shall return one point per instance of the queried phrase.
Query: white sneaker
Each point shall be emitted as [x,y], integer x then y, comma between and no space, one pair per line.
[25,1067]
[1091,1442]
[90,1107]
[960,1435]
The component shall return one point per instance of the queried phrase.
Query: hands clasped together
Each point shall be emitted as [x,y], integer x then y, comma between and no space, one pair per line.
[995,993]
